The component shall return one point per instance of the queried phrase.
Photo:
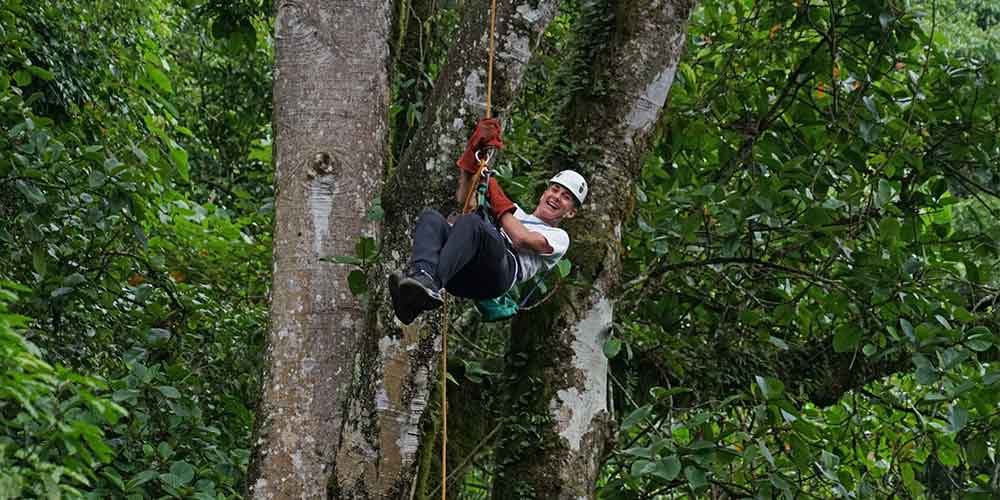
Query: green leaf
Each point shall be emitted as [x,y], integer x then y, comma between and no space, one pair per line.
[262,153]
[641,468]
[889,229]
[343,259]
[30,192]
[972,272]
[869,131]
[160,79]
[164,450]
[375,213]
[171,480]
[180,157]
[112,475]
[640,451]
[771,387]
[636,416]
[183,470]
[777,342]
[169,391]
[39,259]
[141,479]
[885,192]
[846,338]
[696,477]
[907,328]
[885,19]
[563,267]
[979,341]
[957,418]
[926,376]
[157,336]
[143,292]
[611,347]
[42,73]
[977,451]
[366,248]
[96,179]
[22,78]
[817,216]
[74,279]
[668,468]
[663,393]
[357,282]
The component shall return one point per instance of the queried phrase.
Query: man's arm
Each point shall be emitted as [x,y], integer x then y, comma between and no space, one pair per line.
[523,238]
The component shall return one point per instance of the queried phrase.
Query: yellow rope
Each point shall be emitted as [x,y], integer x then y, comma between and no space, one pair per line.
[444,405]
[489,68]
[483,164]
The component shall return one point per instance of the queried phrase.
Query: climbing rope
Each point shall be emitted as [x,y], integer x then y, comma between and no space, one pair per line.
[466,208]
[489,68]
[444,404]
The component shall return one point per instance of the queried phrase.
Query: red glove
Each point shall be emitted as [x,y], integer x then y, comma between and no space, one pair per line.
[487,134]
[499,201]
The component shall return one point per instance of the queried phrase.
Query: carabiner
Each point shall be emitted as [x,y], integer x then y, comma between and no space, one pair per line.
[489,155]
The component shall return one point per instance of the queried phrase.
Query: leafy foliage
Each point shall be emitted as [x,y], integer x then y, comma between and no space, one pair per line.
[812,266]
[136,209]
[51,419]
[811,278]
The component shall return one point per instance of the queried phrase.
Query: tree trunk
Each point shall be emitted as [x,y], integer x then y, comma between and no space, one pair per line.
[389,403]
[561,397]
[330,107]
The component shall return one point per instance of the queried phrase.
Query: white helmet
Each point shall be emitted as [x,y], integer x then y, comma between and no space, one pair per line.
[574,182]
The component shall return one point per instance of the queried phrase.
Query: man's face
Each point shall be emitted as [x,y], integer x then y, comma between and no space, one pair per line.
[555,203]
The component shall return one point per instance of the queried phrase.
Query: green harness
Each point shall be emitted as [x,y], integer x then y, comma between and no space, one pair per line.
[506,305]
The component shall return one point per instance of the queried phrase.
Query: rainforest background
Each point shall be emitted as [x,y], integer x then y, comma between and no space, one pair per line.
[809,290]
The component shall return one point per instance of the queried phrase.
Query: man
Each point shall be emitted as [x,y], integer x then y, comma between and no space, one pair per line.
[472,258]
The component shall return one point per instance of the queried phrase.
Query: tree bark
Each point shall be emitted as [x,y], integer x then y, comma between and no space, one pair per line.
[330,107]
[561,394]
[399,364]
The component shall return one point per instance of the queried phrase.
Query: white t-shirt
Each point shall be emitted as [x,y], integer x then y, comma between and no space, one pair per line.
[531,262]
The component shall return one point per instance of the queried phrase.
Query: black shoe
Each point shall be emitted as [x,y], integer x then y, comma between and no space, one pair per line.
[413,293]
[405,315]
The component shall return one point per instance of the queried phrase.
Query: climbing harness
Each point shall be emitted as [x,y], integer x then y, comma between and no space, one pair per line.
[507,305]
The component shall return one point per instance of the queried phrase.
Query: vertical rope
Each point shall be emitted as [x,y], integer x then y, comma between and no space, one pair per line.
[483,164]
[444,404]
[489,68]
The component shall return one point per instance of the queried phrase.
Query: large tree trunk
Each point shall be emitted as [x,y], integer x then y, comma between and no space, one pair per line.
[330,108]
[559,449]
[391,396]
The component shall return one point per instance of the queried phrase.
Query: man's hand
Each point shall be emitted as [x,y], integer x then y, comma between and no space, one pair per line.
[487,134]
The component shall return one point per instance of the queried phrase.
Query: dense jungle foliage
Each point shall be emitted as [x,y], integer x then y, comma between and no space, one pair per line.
[810,307]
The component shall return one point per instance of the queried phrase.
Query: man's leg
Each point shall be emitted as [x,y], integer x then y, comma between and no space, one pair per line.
[429,236]
[474,262]
[417,289]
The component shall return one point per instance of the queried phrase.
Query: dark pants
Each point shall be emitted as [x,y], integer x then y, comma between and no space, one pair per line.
[469,259]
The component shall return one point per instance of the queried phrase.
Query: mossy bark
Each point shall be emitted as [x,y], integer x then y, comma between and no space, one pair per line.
[562,415]
[389,404]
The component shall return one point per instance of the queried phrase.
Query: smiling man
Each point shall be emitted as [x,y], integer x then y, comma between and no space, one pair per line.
[483,257]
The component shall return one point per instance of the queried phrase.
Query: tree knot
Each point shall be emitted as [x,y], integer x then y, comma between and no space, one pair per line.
[323,163]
